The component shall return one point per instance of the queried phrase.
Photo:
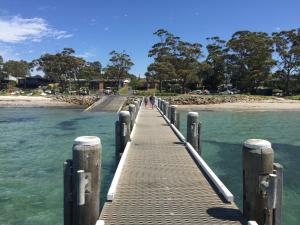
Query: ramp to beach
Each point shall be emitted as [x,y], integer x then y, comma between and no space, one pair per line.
[108,103]
[160,183]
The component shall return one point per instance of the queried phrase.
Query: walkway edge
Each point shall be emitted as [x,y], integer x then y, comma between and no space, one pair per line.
[208,171]
[113,187]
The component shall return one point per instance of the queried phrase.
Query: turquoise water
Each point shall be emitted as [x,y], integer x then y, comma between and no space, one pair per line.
[35,142]
[33,146]
[223,134]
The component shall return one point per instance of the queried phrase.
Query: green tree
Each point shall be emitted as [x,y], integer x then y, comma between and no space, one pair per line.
[181,54]
[120,64]
[16,68]
[61,67]
[187,64]
[250,59]
[1,68]
[214,68]
[160,71]
[287,47]
[90,70]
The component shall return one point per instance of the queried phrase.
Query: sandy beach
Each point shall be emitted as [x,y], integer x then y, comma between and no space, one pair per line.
[279,104]
[33,101]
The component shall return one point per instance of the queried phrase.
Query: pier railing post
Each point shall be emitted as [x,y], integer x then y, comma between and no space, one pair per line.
[169,112]
[177,121]
[132,110]
[260,184]
[124,120]
[137,107]
[173,114]
[166,108]
[86,166]
[162,105]
[192,135]
[199,138]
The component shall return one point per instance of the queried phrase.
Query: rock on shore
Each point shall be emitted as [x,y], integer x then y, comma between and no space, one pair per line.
[212,99]
[77,99]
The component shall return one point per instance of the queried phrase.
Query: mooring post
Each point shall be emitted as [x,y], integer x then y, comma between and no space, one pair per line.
[86,182]
[278,170]
[166,108]
[132,112]
[162,105]
[169,112]
[177,121]
[259,182]
[124,120]
[199,138]
[68,201]
[173,114]
[192,129]
[137,107]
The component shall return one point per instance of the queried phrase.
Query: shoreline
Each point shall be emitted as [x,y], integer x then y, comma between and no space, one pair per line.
[276,104]
[261,106]
[35,102]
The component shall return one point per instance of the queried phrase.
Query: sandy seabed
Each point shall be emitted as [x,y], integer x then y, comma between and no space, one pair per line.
[33,101]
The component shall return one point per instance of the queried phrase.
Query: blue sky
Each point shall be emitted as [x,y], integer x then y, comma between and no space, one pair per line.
[96,27]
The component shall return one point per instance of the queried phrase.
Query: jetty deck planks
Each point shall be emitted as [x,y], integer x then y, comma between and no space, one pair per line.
[161,184]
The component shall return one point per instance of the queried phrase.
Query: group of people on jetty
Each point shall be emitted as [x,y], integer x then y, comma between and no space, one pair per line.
[150,99]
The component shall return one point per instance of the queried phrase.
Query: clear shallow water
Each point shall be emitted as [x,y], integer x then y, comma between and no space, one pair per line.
[35,142]
[223,134]
[33,146]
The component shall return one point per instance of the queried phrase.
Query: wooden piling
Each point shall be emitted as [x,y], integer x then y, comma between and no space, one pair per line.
[68,201]
[173,114]
[162,106]
[192,129]
[177,121]
[117,140]
[166,108]
[124,120]
[169,112]
[277,212]
[86,182]
[137,107]
[199,138]
[258,159]
[132,109]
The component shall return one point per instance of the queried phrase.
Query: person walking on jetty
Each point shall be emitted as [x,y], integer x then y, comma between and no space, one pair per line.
[146,101]
[152,100]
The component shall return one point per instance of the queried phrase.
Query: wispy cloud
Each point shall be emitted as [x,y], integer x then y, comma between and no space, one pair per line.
[18,29]
[8,53]
[87,55]
[106,28]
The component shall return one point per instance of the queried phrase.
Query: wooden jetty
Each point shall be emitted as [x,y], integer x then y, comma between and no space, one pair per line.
[162,179]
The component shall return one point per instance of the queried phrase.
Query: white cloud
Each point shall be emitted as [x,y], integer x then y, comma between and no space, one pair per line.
[87,55]
[106,28]
[8,53]
[18,29]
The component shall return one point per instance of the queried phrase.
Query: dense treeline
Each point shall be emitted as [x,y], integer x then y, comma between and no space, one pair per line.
[247,61]
[64,67]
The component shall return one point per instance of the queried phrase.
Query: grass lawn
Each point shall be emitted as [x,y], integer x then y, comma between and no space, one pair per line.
[295,97]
